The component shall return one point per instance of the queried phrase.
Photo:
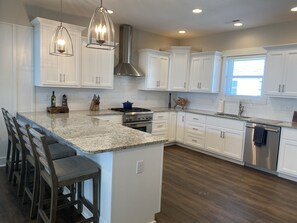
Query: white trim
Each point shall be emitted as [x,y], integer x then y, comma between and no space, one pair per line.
[2,161]
[245,52]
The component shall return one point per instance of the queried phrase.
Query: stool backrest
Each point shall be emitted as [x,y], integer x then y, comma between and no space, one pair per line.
[22,129]
[4,112]
[13,130]
[44,158]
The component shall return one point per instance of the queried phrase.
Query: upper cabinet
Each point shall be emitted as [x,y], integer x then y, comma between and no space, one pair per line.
[155,65]
[205,72]
[280,72]
[179,68]
[97,67]
[52,70]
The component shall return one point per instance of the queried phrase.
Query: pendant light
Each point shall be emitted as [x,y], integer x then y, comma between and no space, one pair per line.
[61,43]
[101,30]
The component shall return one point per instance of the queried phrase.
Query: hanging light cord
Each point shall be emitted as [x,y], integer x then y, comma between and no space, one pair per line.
[61,12]
[101,4]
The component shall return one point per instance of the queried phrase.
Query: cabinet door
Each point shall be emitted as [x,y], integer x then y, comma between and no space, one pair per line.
[290,77]
[287,157]
[153,72]
[195,72]
[105,66]
[233,144]
[206,75]
[89,66]
[49,66]
[164,71]
[179,71]
[213,140]
[172,126]
[180,126]
[273,78]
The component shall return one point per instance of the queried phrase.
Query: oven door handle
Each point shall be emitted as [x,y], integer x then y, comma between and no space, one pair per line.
[267,129]
[136,123]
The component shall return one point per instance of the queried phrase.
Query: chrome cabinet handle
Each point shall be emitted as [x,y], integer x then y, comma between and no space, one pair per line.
[194,140]
[64,78]
[159,126]
[184,84]
[197,119]
[279,88]
[195,129]
[198,85]
[283,89]
[183,119]
[60,77]
[221,135]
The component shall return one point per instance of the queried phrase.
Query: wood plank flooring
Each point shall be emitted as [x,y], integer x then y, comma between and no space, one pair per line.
[196,188]
[200,188]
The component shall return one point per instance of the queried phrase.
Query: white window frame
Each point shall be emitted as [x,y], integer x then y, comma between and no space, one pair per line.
[247,52]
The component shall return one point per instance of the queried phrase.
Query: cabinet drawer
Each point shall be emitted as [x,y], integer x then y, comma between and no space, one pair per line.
[160,126]
[225,123]
[194,141]
[160,116]
[190,117]
[160,133]
[288,133]
[195,129]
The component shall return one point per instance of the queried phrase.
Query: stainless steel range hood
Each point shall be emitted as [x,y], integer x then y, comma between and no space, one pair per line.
[125,68]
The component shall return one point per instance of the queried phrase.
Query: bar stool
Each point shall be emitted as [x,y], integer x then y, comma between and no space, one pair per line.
[9,156]
[64,172]
[57,151]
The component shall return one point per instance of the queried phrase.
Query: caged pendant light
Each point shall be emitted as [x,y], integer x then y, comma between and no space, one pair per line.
[61,43]
[101,30]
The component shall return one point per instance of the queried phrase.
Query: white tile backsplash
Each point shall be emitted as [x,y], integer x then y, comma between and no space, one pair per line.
[272,108]
[125,88]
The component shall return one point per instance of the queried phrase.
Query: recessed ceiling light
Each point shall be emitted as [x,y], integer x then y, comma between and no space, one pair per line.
[182,32]
[109,11]
[294,9]
[238,24]
[196,11]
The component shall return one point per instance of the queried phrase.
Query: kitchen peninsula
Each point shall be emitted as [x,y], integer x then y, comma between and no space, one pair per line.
[131,161]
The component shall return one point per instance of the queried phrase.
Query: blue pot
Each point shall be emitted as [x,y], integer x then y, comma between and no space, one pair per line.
[127,105]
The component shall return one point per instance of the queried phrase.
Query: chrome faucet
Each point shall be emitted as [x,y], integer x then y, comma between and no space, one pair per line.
[240,109]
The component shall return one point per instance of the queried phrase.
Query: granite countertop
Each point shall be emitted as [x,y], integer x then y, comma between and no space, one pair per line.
[80,130]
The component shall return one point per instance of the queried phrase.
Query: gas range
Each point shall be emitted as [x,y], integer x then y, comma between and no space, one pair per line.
[137,118]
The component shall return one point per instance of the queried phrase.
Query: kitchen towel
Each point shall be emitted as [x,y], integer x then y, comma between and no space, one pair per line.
[259,136]
[221,106]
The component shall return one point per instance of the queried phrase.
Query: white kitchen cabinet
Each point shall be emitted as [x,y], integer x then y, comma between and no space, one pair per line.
[225,137]
[172,126]
[97,67]
[280,72]
[195,130]
[288,152]
[180,127]
[155,65]
[205,72]
[160,124]
[57,71]
[179,68]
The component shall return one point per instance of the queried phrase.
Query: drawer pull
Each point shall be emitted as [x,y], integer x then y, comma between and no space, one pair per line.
[196,119]
[160,116]
[160,126]
[195,129]
[194,140]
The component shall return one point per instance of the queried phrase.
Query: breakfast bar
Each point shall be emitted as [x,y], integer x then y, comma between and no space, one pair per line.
[130,160]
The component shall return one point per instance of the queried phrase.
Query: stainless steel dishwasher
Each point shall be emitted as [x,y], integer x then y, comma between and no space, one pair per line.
[263,157]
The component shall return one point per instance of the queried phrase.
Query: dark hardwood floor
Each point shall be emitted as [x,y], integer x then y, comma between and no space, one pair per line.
[196,188]
[200,188]
[13,211]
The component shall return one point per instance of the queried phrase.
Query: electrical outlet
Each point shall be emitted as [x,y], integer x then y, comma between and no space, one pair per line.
[139,166]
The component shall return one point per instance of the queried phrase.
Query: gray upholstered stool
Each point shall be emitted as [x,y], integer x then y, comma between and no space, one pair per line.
[61,173]
[57,151]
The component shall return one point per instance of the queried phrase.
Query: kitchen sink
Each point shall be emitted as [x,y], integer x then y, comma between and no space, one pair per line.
[232,116]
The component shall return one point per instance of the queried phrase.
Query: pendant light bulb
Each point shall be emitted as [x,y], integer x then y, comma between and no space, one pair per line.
[101,30]
[61,43]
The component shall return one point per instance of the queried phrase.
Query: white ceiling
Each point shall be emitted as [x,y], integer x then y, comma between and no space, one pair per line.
[166,17]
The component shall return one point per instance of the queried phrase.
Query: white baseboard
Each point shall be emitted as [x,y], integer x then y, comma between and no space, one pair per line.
[2,161]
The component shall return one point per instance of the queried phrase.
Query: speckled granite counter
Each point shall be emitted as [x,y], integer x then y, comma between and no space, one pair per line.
[80,130]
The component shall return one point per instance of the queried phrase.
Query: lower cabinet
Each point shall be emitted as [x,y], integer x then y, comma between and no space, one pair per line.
[195,130]
[160,124]
[225,137]
[180,127]
[172,126]
[288,152]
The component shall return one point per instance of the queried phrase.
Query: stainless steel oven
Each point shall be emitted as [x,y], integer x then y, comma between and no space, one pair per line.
[137,118]
[142,126]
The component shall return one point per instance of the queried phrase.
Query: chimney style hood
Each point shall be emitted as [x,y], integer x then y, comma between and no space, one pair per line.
[125,68]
